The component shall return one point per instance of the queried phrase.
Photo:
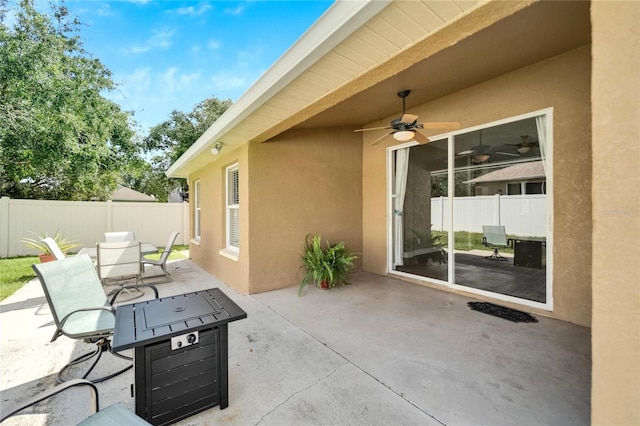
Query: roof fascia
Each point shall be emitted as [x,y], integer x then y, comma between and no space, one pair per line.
[336,24]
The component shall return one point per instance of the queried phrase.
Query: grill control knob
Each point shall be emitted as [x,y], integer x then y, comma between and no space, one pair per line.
[191,338]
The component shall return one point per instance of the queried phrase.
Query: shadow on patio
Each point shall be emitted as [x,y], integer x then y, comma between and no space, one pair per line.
[379,351]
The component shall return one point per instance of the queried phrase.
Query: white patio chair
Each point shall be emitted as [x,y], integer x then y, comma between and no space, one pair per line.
[162,262]
[80,309]
[53,248]
[114,237]
[119,261]
[495,237]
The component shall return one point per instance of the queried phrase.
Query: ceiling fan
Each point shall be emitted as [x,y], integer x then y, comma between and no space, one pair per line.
[405,128]
[525,145]
[481,153]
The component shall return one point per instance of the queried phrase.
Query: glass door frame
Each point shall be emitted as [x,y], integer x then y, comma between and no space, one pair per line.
[450,284]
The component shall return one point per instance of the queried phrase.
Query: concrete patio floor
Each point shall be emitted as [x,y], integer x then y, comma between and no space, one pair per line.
[377,352]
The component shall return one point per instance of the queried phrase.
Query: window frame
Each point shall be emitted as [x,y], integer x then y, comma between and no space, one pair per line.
[232,209]
[197,212]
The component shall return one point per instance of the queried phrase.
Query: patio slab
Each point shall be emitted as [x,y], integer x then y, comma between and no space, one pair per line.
[377,352]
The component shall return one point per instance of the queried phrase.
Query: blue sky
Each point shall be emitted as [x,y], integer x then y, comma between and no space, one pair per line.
[169,54]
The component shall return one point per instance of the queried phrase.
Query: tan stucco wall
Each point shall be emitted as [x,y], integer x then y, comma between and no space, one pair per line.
[206,254]
[302,182]
[616,213]
[561,82]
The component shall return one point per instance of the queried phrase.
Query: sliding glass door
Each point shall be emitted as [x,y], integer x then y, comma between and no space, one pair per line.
[471,210]
[420,239]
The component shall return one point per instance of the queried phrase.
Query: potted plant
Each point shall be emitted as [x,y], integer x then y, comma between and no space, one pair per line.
[424,248]
[328,267]
[44,253]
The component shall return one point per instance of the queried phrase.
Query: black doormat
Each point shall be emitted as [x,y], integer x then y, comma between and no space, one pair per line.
[502,312]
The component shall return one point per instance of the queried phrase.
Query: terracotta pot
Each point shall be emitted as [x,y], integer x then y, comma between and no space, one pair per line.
[324,285]
[44,258]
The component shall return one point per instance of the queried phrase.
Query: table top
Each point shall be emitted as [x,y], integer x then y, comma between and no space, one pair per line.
[532,239]
[159,319]
[145,248]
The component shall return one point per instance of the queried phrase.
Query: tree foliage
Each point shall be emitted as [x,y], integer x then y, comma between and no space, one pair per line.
[170,139]
[59,137]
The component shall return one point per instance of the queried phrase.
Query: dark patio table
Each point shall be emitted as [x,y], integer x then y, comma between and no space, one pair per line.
[180,356]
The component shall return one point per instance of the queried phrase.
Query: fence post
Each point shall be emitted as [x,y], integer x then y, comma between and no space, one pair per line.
[186,237]
[4,226]
[497,198]
[109,216]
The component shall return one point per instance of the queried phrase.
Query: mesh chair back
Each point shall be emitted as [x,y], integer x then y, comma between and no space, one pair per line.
[117,260]
[114,237]
[168,247]
[71,284]
[495,235]
[53,248]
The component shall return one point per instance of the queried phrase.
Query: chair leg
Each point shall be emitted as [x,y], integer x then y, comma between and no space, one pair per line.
[103,345]
[496,256]
[164,268]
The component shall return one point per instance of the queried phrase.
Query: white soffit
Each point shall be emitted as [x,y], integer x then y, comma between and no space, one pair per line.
[349,40]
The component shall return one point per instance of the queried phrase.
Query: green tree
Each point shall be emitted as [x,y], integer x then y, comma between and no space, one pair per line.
[59,137]
[170,139]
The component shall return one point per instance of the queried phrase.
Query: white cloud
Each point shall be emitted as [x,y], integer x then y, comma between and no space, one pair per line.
[172,81]
[104,9]
[214,44]
[235,11]
[225,82]
[192,11]
[160,40]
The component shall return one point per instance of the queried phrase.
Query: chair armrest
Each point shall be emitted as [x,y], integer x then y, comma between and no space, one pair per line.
[54,391]
[117,293]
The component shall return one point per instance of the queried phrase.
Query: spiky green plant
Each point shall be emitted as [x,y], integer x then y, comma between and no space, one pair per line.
[36,243]
[330,265]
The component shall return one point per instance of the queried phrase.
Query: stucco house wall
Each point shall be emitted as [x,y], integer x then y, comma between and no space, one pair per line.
[616,214]
[561,82]
[301,182]
[206,251]
[593,88]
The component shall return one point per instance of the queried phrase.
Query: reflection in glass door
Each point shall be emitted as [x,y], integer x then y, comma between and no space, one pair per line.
[497,210]
[420,185]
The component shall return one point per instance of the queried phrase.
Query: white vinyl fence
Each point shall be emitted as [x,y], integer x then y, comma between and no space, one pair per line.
[523,215]
[87,221]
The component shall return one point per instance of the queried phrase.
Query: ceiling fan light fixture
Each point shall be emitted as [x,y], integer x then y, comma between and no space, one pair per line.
[480,158]
[524,149]
[404,135]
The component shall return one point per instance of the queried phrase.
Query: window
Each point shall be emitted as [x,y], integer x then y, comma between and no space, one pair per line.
[196,211]
[233,210]
[514,189]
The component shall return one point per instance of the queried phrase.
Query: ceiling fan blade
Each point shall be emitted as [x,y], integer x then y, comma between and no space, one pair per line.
[420,138]
[450,125]
[408,118]
[380,138]
[467,152]
[373,128]
[507,153]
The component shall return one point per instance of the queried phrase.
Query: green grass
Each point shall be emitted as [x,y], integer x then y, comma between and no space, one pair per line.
[177,253]
[466,241]
[16,271]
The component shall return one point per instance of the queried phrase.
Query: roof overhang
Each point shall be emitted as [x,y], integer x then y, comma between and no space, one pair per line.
[337,23]
[347,68]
